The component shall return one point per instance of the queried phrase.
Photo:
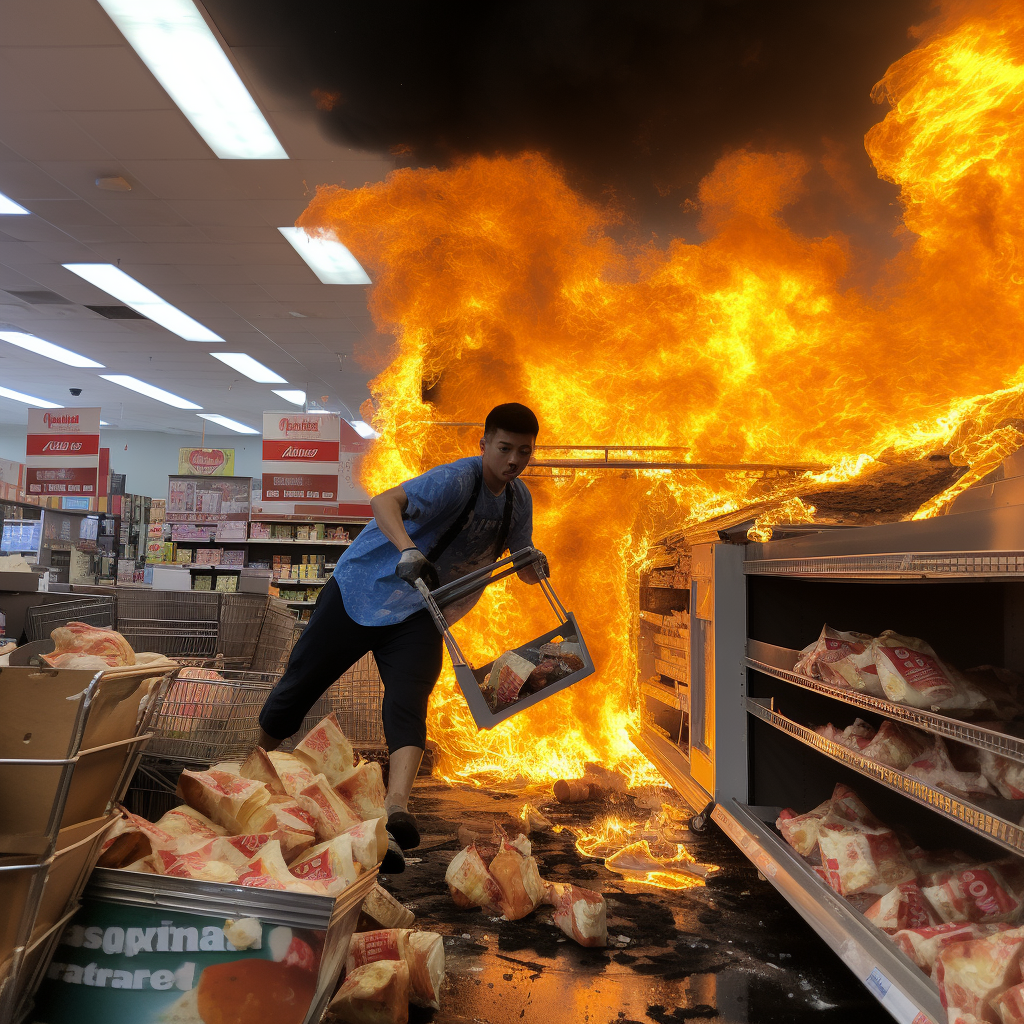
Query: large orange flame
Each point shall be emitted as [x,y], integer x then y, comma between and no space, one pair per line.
[500,283]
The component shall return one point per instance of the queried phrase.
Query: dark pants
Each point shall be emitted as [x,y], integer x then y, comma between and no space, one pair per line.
[408,655]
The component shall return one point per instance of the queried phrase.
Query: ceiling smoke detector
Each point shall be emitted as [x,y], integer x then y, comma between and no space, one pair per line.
[114,184]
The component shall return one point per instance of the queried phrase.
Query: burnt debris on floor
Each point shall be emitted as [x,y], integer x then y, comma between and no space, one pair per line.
[730,951]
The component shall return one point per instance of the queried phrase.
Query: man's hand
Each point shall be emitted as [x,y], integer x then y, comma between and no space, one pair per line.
[536,572]
[413,566]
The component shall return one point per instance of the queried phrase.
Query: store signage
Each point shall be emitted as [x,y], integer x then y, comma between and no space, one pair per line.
[206,461]
[214,499]
[12,480]
[62,452]
[309,466]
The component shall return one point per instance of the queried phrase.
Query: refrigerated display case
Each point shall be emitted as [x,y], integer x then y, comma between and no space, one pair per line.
[732,724]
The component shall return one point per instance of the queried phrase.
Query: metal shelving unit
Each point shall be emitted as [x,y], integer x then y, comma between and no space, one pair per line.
[986,823]
[304,543]
[910,565]
[765,658]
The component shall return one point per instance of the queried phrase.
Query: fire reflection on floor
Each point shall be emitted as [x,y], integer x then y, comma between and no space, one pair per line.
[731,950]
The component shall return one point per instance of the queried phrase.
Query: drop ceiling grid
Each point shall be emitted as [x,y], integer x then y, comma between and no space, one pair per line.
[200,231]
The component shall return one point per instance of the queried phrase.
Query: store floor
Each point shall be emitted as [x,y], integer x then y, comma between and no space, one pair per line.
[730,952]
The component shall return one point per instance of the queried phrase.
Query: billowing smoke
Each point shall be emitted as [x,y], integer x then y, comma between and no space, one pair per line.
[636,101]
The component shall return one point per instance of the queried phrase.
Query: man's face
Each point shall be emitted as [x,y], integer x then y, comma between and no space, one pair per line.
[506,455]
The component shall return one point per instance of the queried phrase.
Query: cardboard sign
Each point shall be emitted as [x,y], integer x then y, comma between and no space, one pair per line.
[62,452]
[206,461]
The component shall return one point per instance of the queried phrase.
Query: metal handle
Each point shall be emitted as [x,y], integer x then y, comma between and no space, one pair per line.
[479,579]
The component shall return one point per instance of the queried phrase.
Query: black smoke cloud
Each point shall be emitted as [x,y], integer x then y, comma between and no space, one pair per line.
[634,100]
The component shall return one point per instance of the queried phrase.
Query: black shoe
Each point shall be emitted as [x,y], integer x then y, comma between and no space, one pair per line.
[394,860]
[402,825]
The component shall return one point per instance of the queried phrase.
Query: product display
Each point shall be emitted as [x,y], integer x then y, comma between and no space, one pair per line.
[527,670]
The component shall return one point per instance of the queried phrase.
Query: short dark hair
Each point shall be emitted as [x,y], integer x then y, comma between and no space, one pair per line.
[514,418]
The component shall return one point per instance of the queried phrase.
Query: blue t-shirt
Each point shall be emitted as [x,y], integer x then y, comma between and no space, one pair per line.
[375,596]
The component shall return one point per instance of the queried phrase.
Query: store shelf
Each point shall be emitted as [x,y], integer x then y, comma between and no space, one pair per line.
[896,566]
[202,565]
[293,581]
[298,604]
[898,984]
[266,517]
[306,543]
[984,822]
[666,695]
[771,661]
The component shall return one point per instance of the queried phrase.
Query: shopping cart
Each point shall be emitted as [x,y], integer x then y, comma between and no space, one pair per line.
[175,623]
[42,619]
[471,679]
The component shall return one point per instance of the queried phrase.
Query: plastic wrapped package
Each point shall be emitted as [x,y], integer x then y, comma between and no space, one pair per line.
[1009,1005]
[326,750]
[801,830]
[855,737]
[981,893]
[229,800]
[923,945]
[970,974]
[295,774]
[896,745]
[843,659]
[934,768]
[422,951]
[376,993]
[902,908]
[259,767]
[519,881]
[363,789]
[580,913]
[331,815]
[911,672]
[1006,775]
[471,884]
[330,864]
[861,859]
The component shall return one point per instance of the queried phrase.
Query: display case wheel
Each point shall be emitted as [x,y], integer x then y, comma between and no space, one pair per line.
[699,822]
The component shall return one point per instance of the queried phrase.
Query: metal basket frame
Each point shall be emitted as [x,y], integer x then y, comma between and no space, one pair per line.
[42,619]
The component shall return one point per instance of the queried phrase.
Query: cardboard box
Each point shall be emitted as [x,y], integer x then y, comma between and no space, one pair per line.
[19,582]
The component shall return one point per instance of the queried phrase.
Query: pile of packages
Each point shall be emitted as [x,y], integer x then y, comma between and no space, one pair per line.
[81,646]
[953,917]
[309,821]
[956,768]
[501,876]
[905,670]
[518,673]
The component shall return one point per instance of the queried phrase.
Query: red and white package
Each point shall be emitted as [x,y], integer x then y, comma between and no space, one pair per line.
[290,824]
[847,805]
[896,745]
[326,750]
[363,788]
[855,737]
[970,974]
[580,913]
[801,830]
[1006,775]
[331,815]
[369,841]
[376,993]
[934,768]
[981,893]
[329,865]
[843,659]
[1010,1005]
[422,951]
[471,884]
[861,859]
[911,672]
[923,945]
[901,908]
[267,870]
[518,879]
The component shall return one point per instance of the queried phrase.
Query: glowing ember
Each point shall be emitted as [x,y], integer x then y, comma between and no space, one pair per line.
[501,284]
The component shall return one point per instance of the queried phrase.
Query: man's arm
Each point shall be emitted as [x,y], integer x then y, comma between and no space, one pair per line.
[388,507]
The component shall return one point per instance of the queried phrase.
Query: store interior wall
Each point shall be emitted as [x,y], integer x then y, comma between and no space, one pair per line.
[146,457]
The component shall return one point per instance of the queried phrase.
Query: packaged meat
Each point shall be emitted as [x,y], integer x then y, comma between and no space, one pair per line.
[970,974]
[518,880]
[845,804]
[981,893]
[363,789]
[855,737]
[934,768]
[187,821]
[376,993]
[1007,776]
[580,913]
[422,951]
[290,824]
[923,945]
[801,830]
[381,910]
[896,745]
[507,675]
[1009,1005]
[229,800]
[911,672]
[326,750]
[331,814]
[471,884]
[369,841]
[259,767]
[78,640]
[901,908]
[968,696]
[294,773]
[331,864]
[861,859]
[843,659]
[267,870]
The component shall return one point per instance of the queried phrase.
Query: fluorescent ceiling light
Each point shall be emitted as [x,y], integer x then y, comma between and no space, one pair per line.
[47,348]
[9,206]
[116,282]
[252,369]
[327,258]
[184,56]
[104,423]
[363,429]
[295,397]
[150,391]
[17,396]
[239,428]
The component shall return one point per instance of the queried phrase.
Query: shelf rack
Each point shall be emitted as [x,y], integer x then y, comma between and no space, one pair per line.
[767,659]
[305,543]
[985,823]
[943,565]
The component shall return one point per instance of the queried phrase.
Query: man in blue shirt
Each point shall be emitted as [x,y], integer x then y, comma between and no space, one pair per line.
[436,527]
